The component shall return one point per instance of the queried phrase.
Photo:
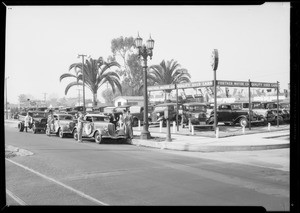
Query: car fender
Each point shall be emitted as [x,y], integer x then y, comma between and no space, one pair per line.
[239,117]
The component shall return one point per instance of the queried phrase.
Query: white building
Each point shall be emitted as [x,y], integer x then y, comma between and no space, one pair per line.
[128,100]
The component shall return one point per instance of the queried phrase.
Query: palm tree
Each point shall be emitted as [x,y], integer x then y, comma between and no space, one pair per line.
[168,73]
[96,73]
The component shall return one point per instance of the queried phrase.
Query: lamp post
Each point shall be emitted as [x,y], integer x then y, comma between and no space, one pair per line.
[144,52]
[214,64]
[83,90]
[6,97]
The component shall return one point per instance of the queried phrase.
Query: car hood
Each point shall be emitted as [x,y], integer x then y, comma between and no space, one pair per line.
[39,119]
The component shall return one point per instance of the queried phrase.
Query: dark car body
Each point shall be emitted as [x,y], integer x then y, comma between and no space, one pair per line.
[159,111]
[39,121]
[271,106]
[196,112]
[97,126]
[137,113]
[233,113]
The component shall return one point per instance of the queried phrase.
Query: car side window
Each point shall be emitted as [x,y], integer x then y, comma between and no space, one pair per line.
[88,118]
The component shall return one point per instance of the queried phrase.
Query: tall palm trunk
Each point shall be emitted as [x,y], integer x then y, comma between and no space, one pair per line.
[94,99]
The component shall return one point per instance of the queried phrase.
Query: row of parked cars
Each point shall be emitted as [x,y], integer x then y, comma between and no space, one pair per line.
[97,123]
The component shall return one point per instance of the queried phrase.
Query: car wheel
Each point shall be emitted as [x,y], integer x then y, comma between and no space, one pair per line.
[243,122]
[75,134]
[47,131]
[98,137]
[61,134]
[21,127]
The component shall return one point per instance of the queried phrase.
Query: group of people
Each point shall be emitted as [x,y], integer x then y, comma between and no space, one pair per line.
[125,121]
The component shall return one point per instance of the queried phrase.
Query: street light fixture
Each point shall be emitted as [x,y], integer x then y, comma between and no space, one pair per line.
[144,52]
[83,89]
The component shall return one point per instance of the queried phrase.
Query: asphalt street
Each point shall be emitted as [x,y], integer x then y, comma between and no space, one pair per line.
[61,171]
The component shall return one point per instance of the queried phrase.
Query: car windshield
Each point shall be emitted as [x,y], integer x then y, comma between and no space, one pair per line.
[271,106]
[100,118]
[196,108]
[236,106]
[257,106]
[66,117]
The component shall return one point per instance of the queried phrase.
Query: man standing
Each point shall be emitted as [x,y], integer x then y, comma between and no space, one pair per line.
[51,121]
[114,118]
[27,121]
[80,126]
[128,122]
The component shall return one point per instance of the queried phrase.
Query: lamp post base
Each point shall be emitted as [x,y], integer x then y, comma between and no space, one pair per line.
[145,135]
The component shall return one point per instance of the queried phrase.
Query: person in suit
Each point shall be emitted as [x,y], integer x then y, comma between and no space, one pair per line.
[27,121]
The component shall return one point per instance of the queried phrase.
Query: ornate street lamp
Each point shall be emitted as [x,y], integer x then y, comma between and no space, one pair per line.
[214,65]
[83,81]
[144,52]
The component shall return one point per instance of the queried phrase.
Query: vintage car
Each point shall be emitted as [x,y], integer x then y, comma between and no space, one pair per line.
[195,111]
[159,112]
[271,107]
[63,125]
[233,113]
[97,126]
[137,113]
[39,121]
[75,110]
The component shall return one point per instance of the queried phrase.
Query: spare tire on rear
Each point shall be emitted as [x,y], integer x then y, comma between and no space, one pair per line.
[21,127]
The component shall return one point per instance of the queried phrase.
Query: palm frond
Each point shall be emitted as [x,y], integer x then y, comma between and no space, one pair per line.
[66,75]
[71,85]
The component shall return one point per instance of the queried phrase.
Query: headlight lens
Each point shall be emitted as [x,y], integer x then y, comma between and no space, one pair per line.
[157,114]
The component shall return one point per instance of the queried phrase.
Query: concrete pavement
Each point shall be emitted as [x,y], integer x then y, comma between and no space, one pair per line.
[259,141]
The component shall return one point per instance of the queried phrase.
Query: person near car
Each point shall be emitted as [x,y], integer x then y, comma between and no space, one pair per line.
[27,121]
[113,118]
[122,120]
[51,121]
[80,123]
[129,122]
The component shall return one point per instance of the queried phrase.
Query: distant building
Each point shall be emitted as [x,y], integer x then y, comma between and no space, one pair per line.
[128,100]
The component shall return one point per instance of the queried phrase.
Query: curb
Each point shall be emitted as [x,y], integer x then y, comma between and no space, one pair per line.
[199,148]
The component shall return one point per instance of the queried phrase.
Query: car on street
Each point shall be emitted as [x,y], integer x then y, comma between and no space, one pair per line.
[233,113]
[39,121]
[63,125]
[196,112]
[98,127]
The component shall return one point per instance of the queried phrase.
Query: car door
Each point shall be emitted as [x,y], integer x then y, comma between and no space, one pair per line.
[56,122]
[224,113]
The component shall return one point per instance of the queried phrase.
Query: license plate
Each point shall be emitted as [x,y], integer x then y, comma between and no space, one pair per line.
[202,123]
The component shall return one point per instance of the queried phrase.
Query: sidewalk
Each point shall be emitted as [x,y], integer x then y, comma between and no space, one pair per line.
[258,141]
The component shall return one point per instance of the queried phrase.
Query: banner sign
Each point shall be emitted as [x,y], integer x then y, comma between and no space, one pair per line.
[211,83]
[246,84]
[161,87]
[233,83]
[195,84]
[263,85]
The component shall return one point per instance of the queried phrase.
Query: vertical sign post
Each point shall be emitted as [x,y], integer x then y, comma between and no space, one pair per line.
[214,64]
[250,105]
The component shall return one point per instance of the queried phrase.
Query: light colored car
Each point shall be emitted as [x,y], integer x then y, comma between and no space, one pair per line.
[63,125]
[97,126]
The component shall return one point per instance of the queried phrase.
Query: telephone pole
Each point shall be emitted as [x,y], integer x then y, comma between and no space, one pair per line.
[45,94]
[83,90]
[79,96]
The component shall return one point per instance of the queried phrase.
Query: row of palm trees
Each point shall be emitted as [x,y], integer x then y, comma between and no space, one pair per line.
[97,72]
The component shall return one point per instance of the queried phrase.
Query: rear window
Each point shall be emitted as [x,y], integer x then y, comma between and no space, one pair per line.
[236,106]
[100,118]
[66,117]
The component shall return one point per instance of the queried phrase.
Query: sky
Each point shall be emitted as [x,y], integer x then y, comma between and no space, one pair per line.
[43,41]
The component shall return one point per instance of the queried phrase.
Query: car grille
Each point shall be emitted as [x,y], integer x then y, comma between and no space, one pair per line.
[43,121]
[111,129]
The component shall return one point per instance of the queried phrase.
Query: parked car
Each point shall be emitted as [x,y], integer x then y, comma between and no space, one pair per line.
[97,126]
[75,110]
[39,121]
[271,107]
[137,113]
[63,125]
[108,110]
[195,111]
[233,113]
[159,110]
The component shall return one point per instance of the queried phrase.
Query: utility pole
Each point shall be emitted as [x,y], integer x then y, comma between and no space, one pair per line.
[83,90]
[45,94]
[79,96]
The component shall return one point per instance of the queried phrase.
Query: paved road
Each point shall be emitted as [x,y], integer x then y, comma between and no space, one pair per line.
[64,172]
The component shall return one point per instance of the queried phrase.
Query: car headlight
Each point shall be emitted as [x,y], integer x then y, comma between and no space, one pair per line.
[157,114]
